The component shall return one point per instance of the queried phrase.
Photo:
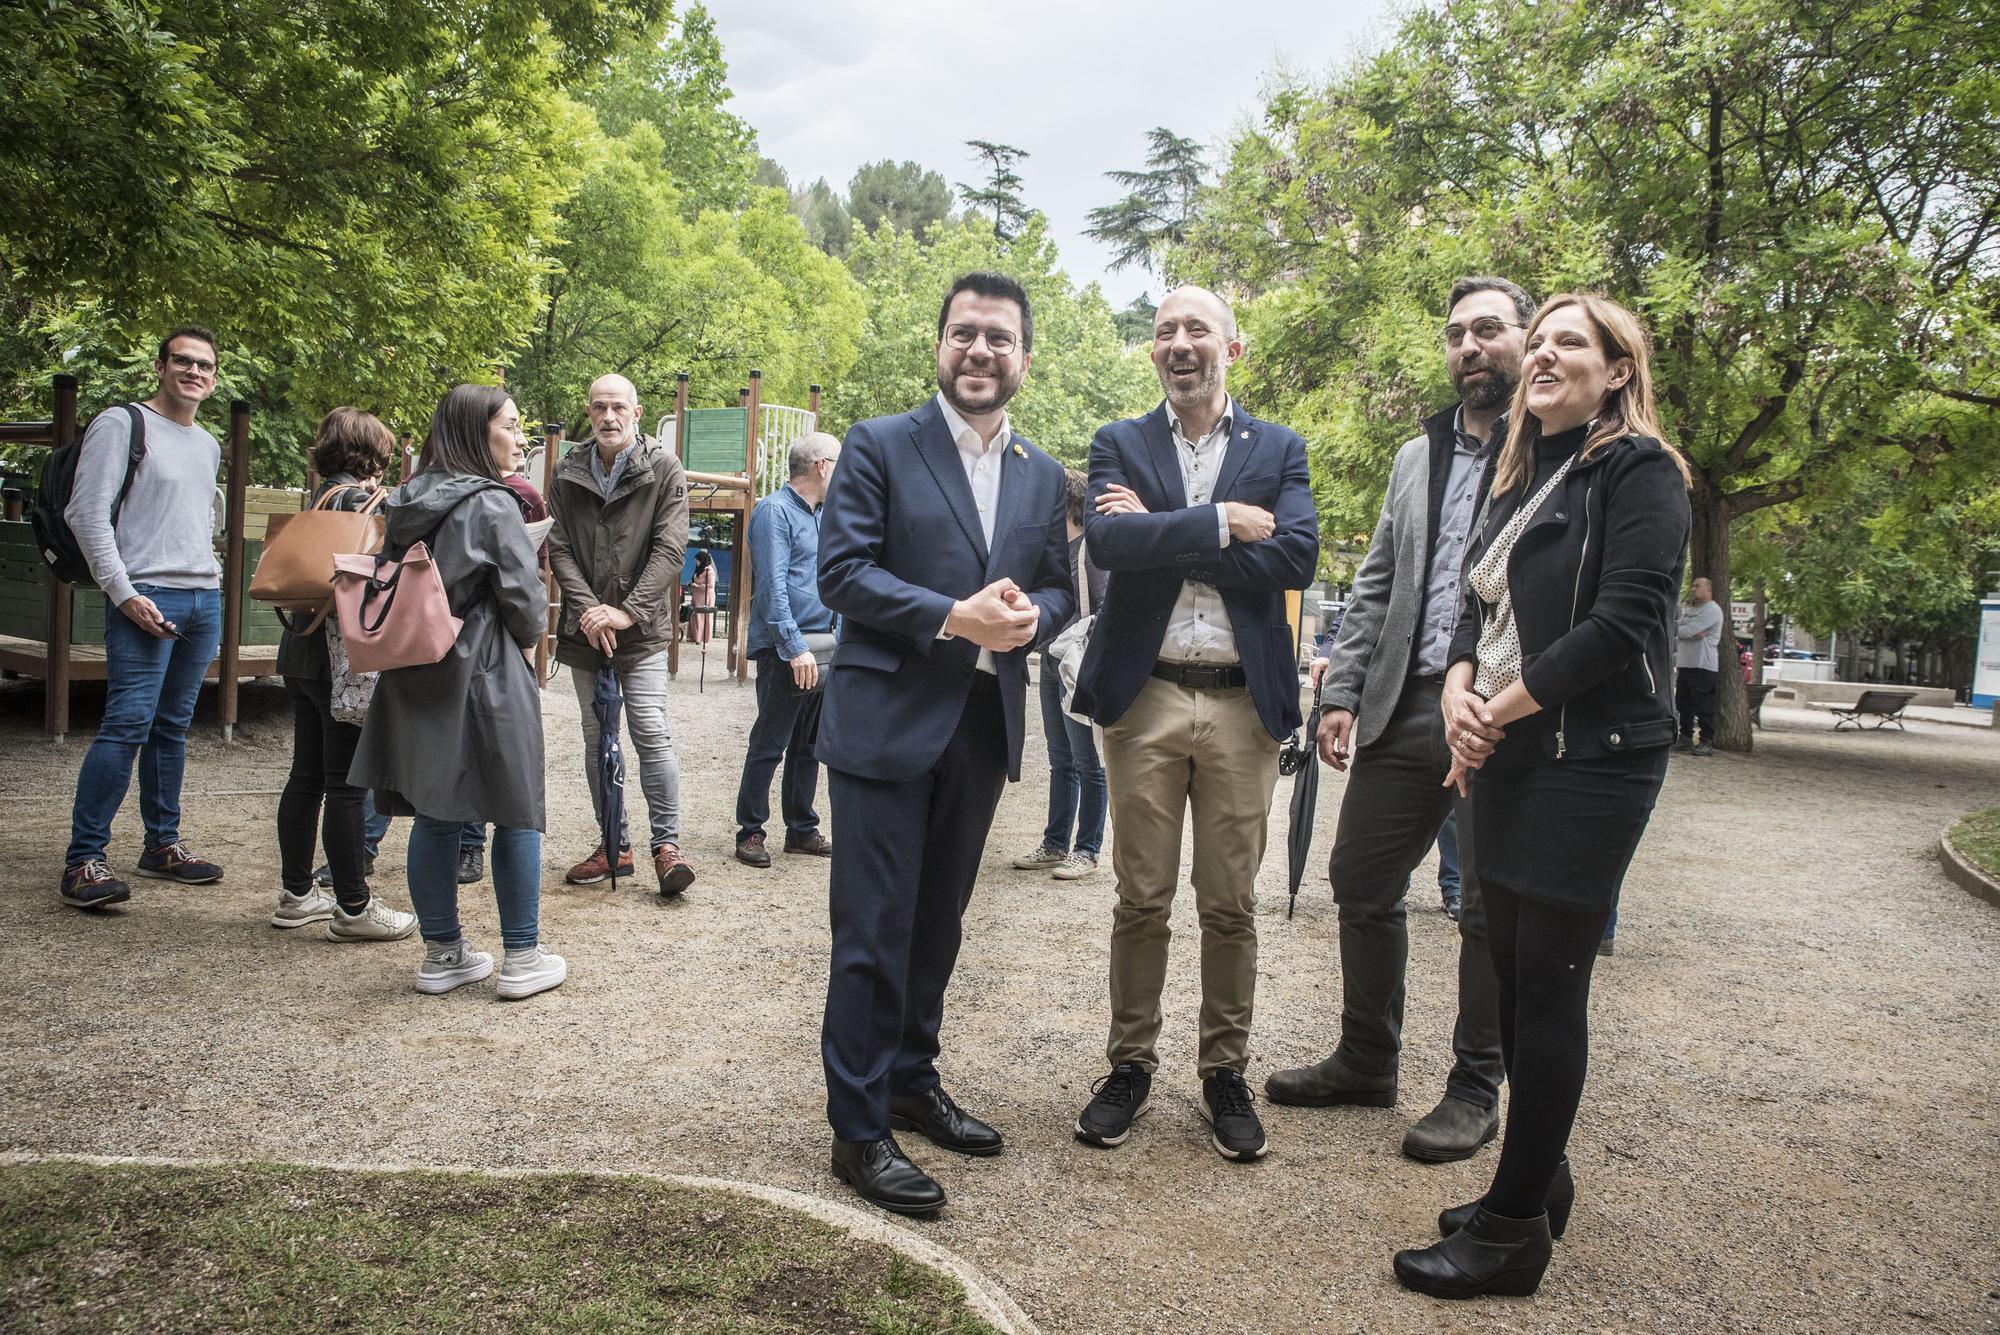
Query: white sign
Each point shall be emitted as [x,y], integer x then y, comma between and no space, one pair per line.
[1986,670]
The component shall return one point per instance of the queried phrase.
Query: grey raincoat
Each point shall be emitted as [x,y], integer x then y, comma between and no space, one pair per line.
[461,739]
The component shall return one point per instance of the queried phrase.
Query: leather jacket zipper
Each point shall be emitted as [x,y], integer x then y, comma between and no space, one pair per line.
[1647,664]
[1575,595]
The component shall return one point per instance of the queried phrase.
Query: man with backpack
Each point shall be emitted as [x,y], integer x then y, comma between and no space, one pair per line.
[141,512]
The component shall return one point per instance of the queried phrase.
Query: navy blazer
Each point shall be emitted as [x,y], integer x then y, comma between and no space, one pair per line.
[1150,556]
[899,543]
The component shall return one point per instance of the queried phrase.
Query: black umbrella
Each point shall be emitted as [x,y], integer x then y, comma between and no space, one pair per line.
[608,703]
[1300,758]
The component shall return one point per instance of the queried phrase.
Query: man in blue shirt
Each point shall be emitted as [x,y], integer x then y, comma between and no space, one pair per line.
[784,609]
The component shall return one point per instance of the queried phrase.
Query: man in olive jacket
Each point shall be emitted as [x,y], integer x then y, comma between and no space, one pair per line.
[621,509]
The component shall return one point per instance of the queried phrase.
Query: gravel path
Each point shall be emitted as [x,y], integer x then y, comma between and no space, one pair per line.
[1788,1127]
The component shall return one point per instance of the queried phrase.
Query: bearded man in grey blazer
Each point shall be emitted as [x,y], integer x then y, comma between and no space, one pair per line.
[1383,679]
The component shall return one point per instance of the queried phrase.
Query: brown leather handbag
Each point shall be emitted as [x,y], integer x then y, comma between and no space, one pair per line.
[296,572]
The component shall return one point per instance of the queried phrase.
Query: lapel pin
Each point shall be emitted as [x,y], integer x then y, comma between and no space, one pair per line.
[1246,435]
[1019,451]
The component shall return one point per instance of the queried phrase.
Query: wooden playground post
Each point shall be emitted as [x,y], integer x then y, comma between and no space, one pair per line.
[232,564]
[680,452]
[55,687]
[812,404]
[552,438]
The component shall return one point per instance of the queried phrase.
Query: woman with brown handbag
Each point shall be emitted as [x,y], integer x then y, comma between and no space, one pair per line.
[349,451]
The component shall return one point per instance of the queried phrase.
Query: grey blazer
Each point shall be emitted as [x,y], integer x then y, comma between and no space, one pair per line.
[1366,670]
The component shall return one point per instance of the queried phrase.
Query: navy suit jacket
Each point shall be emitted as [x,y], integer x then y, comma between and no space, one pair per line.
[1150,556]
[899,543]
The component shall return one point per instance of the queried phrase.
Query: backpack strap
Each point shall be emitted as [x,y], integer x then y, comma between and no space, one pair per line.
[134,456]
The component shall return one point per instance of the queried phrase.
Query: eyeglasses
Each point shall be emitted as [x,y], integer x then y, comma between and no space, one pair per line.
[1484,330]
[999,342]
[182,362]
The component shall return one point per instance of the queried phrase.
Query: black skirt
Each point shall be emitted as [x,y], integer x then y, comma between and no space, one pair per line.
[1562,831]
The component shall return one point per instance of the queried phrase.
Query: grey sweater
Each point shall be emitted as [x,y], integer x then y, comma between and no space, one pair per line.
[165,533]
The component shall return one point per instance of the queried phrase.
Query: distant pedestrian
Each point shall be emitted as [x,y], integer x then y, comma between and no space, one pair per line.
[163,616]
[461,739]
[1695,668]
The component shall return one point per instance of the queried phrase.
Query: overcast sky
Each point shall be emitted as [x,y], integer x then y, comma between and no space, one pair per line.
[831,84]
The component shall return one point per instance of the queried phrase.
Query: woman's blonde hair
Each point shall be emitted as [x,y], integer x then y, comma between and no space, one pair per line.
[1628,410]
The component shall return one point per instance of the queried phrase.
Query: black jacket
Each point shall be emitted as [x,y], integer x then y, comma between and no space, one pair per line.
[1595,580]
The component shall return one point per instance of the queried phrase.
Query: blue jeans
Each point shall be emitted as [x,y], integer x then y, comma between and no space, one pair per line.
[1448,856]
[374,825]
[151,686]
[432,868]
[1076,776]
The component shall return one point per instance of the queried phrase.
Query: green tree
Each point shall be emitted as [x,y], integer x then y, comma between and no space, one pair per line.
[1160,205]
[820,207]
[1799,196]
[901,194]
[1135,322]
[1000,194]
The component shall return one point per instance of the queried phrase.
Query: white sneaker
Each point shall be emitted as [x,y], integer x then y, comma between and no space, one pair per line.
[526,972]
[1041,859]
[455,965]
[1076,866]
[377,922]
[315,905]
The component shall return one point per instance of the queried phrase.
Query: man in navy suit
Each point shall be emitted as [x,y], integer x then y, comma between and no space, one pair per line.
[1204,517]
[943,550]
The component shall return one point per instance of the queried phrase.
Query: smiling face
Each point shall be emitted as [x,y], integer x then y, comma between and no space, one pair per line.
[977,380]
[1566,372]
[187,373]
[506,439]
[1483,338]
[1194,344]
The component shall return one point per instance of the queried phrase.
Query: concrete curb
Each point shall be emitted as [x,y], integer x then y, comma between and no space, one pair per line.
[988,1301]
[1960,869]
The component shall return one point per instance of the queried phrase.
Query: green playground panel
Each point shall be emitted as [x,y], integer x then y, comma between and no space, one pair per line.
[24,605]
[717,440]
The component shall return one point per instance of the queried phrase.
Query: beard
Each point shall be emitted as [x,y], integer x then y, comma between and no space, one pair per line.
[1204,389]
[1489,391]
[970,398]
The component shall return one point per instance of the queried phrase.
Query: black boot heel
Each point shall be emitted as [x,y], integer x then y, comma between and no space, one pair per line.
[1490,1255]
[1561,1198]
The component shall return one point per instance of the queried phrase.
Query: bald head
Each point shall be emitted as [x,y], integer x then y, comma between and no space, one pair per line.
[614,413]
[1200,300]
[1194,345]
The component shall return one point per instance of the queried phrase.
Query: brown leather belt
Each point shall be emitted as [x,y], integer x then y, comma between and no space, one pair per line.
[1202,676]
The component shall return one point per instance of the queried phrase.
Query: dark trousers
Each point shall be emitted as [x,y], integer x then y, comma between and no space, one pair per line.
[902,874]
[1694,701]
[787,719]
[1394,804]
[318,799]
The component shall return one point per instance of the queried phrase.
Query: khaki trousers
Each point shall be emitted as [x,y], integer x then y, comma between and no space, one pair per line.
[1177,748]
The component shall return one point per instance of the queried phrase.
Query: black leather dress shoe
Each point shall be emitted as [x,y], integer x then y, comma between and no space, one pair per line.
[1490,1255]
[1559,1202]
[883,1177]
[934,1116]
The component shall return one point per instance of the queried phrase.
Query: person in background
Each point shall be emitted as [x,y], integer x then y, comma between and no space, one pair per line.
[784,609]
[1077,794]
[349,452]
[460,739]
[163,617]
[1696,667]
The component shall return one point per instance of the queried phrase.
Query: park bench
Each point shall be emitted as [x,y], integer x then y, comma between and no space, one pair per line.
[1884,707]
[1754,697]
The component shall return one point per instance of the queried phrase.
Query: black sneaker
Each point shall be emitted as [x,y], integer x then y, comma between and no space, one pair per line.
[1454,905]
[323,874]
[177,862]
[1225,1102]
[90,885]
[471,865]
[1117,1100]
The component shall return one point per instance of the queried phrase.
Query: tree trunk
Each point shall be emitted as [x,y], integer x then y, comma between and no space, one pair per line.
[1708,555]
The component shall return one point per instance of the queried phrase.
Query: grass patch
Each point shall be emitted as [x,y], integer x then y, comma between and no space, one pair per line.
[1977,839]
[267,1247]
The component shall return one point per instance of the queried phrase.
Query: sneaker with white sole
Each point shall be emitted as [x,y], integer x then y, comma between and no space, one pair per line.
[449,966]
[315,905]
[1043,858]
[1075,867]
[377,922]
[526,972]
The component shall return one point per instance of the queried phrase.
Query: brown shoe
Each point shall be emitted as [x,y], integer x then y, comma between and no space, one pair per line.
[813,845]
[752,853]
[597,867]
[672,869]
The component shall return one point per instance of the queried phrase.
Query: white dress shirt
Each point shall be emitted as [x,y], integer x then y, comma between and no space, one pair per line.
[982,460]
[1198,631]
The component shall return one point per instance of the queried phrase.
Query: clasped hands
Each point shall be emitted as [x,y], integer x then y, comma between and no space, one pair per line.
[1247,523]
[999,617]
[1469,730]
[601,624]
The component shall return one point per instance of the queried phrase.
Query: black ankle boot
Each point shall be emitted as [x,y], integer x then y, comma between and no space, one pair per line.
[1490,1255]
[1562,1195]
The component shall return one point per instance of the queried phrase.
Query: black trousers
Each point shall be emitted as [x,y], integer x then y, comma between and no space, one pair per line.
[1389,817]
[787,719]
[318,797]
[1694,701]
[902,874]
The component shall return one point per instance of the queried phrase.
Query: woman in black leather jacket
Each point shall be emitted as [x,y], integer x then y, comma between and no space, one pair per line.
[1559,711]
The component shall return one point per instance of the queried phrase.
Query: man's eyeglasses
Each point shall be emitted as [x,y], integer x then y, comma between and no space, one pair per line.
[1483,330]
[180,361]
[999,342]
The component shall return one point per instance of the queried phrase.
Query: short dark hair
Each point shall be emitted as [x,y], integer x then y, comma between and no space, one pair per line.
[1524,305]
[353,442]
[186,331]
[987,283]
[459,428]
[1076,485]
